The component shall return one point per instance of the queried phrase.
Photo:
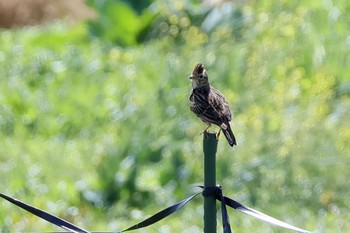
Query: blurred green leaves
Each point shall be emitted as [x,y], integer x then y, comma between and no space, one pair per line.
[106,129]
[127,23]
[118,22]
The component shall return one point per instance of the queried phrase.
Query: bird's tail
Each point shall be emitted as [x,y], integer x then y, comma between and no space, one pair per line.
[229,135]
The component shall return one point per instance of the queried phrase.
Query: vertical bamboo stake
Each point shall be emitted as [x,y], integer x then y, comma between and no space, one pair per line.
[210,144]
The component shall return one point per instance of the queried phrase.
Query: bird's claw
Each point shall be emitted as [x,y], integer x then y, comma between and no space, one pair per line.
[218,135]
[204,131]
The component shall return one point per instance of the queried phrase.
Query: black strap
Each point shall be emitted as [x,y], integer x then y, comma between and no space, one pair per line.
[225,218]
[161,215]
[259,215]
[44,215]
[216,191]
[207,191]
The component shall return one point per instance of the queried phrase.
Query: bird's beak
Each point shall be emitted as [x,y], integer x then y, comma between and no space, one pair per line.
[191,76]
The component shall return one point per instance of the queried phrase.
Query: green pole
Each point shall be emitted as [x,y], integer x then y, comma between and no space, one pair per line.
[210,144]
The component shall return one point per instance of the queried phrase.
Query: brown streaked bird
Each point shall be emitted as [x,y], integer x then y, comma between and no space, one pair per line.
[209,104]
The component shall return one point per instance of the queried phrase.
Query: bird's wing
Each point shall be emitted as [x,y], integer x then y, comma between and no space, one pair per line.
[202,108]
[219,104]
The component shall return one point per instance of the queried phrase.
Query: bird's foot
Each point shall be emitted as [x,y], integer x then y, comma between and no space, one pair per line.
[218,135]
[206,130]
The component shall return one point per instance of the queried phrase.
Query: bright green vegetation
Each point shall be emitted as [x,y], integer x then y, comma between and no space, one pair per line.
[102,135]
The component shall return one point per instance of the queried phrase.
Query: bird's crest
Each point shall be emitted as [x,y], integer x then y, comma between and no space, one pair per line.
[198,69]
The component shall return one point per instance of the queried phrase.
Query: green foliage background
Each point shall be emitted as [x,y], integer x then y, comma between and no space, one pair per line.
[95,125]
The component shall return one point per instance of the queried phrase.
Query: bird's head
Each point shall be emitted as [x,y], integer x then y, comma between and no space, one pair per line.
[199,76]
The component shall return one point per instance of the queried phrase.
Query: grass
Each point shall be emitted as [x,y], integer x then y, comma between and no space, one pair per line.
[102,135]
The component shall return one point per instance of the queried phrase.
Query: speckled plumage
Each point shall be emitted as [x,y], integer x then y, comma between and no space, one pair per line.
[209,104]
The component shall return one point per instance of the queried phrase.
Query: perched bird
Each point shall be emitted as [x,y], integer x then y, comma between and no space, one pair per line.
[209,104]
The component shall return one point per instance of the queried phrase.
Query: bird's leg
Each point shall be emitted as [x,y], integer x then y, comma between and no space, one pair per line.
[206,129]
[218,134]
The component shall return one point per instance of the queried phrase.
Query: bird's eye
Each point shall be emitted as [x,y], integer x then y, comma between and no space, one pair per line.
[201,76]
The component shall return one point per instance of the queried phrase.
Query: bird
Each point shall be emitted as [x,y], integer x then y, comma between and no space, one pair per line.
[210,104]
